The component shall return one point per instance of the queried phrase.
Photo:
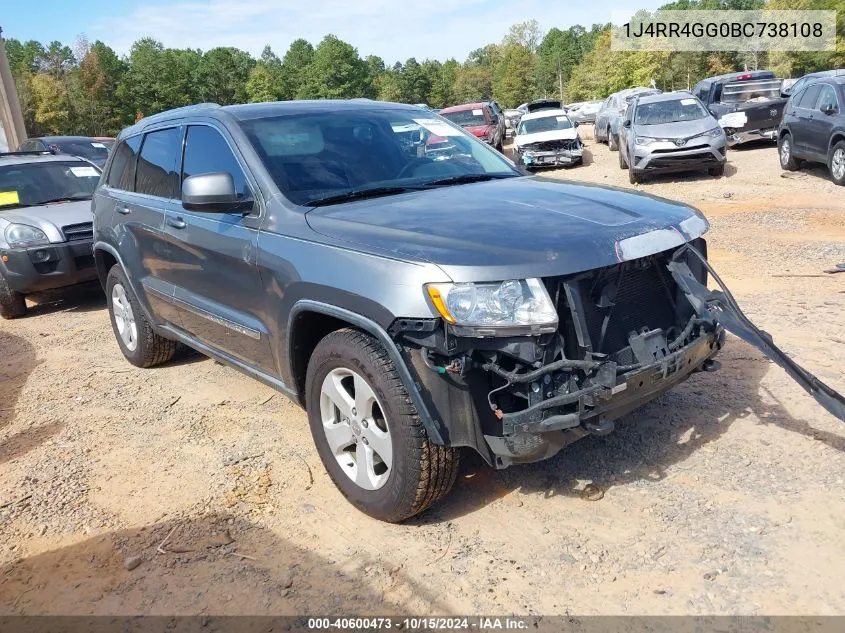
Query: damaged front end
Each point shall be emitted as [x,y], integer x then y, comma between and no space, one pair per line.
[557,152]
[624,334]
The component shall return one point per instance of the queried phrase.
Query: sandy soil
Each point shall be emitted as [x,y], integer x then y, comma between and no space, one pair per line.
[724,496]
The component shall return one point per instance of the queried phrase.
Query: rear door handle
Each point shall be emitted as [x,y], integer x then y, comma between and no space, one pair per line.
[177,223]
[123,210]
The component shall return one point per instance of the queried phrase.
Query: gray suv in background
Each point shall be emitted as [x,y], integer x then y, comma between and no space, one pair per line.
[414,302]
[670,132]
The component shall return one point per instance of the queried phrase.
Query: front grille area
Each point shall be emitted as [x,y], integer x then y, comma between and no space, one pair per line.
[692,159]
[552,146]
[82,231]
[619,300]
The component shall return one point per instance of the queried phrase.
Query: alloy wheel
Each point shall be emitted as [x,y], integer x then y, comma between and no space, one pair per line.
[837,164]
[785,150]
[355,428]
[124,317]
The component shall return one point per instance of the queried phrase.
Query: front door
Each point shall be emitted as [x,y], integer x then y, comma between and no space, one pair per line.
[218,288]
[804,114]
[821,126]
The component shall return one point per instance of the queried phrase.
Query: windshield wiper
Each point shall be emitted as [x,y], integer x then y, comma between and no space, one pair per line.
[63,199]
[466,178]
[359,194]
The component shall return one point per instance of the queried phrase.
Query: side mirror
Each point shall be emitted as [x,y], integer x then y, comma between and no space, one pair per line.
[494,118]
[627,123]
[212,193]
[829,109]
[575,123]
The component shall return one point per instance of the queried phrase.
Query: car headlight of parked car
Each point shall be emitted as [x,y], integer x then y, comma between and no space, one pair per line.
[512,303]
[645,140]
[23,235]
[714,133]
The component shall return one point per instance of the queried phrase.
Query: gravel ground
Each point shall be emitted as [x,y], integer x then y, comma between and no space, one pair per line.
[191,489]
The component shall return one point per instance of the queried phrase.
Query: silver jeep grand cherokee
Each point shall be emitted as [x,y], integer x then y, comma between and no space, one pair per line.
[415,306]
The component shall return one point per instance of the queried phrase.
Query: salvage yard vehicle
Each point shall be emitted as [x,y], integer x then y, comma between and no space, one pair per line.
[798,84]
[92,148]
[480,120]
[414,307]
[512,118]
[585,112]
[609,117]
[45,225]
[813,127]
[547,138]
[670,132]
[748,105]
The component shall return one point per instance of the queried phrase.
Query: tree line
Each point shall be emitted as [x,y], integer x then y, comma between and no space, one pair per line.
[89,89]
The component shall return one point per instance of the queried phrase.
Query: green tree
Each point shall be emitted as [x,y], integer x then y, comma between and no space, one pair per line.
[513,80]
[57,59]
[158,79]
[24,58]
[527,34]
[294,68]
[259,86]
[51,107]
[222,75]
[473,83]
[336,72]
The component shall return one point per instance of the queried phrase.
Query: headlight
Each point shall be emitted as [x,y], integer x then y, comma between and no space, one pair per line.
[715,132]
[512,303]
[23,235]
[644,140]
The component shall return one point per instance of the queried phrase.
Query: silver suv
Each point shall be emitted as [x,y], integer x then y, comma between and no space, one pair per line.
[670,132]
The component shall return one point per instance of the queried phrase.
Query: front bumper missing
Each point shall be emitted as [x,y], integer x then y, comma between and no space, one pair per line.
[735,138]
[559,157]
[722,307]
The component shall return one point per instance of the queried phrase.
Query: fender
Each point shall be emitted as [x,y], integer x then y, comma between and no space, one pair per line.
[432,424]
[142,297]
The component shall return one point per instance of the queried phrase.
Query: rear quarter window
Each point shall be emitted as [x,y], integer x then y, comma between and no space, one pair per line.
[156,173]
[122,171]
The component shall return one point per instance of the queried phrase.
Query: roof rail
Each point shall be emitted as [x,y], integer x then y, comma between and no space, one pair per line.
[176,111]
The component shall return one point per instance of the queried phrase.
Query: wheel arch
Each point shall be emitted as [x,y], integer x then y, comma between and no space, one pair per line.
[836,137]
[106,256]
[310,321]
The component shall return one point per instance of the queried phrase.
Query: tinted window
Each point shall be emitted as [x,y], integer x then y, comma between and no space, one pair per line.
[156,172]
[92,150]
[826,98]
[207,152]
[808,99]
[122,172]
[796,87]
[659,112]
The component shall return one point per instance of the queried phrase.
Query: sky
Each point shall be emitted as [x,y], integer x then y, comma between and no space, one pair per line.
[392,29]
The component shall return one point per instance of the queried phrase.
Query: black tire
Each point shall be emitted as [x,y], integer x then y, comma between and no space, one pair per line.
[837,150]
[717,171]
[500,147]
[612,142]
[421,472]
[633,177]
[151,349]
[12,303]
[622,163]
[607,137]
[788,162]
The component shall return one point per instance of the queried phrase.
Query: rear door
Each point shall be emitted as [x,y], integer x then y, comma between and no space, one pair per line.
[821,125]
[218,287]
[804,114]
[136,215]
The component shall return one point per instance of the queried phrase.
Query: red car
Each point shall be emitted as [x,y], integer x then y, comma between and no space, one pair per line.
[478,119]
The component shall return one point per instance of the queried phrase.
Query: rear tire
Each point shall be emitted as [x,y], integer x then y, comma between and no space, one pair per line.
[634,177]
[353,368]
[622,163]
[836,163]
[500,147]
[787,160]
[143,347]
[12,303]
[612,142]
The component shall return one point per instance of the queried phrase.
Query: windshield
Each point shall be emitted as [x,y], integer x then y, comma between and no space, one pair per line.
[546,124]
[466,118]
[33,184]
[95,151]
[328,154]
[669,112]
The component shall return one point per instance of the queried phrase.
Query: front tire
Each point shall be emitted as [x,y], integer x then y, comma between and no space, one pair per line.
[367,431]
[612,142]
[12,303]
[836,163]
[622,163]
[633,176]
[134,333]
[787,161]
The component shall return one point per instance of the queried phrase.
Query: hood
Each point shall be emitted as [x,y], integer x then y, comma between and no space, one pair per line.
[51,217]
[551,135]
[680,129]
[502,229]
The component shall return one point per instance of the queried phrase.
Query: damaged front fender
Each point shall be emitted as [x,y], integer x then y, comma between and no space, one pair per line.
[723,308]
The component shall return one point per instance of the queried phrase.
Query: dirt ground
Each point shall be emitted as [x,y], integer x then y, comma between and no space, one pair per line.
[724,496]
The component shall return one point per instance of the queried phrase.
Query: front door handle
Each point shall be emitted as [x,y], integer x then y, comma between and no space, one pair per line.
[177,223]
[123,210]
